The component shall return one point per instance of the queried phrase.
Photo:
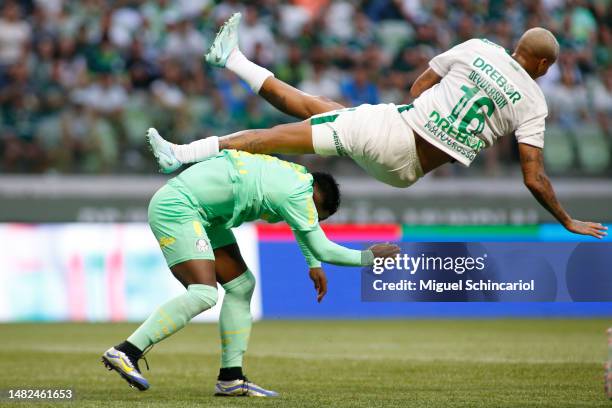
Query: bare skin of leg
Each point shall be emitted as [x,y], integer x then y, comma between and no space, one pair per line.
[195,271]
[292,138]
[227,266]
[229,263]
[294,102]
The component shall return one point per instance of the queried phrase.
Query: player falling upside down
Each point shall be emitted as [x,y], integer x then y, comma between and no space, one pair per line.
[469,97]
[191,218]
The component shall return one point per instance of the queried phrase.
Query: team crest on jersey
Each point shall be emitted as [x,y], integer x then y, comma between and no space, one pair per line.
[202,245]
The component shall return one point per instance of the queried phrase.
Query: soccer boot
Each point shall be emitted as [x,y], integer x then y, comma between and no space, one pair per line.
[241,388]
[114,359]
[162,150]
[224,43]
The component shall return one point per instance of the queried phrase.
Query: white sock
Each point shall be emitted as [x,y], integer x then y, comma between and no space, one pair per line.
[196,151]
[248,71]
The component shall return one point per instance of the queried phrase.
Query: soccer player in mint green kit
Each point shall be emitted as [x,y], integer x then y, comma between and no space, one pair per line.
[191,218]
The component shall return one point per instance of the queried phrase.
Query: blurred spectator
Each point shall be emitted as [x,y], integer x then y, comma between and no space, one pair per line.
[105,96]
[567,100]
[602,101]
[141,70]
[339,18]
[321,82]
[358,88]
[294,69]
[254,32]
[72,66]
[15,33]
[104,57]
[183,41]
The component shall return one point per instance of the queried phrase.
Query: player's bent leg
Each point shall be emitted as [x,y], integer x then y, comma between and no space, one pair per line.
[191,259]
[197,275]
[292,138]
[179,228]
[201,294]
[224,52]
[294,102]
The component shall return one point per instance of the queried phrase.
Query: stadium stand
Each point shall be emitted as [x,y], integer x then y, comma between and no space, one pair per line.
[80,81]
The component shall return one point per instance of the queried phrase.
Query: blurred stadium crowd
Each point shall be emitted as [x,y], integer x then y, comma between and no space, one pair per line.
[81,81]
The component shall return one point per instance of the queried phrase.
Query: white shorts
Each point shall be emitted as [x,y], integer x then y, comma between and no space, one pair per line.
[375,136]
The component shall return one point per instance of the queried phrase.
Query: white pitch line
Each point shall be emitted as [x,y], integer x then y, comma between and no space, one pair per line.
[319,356]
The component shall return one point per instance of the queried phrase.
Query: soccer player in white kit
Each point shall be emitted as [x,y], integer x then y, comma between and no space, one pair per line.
[470,96]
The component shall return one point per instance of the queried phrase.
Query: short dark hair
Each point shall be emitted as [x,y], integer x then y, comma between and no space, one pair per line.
[329,189]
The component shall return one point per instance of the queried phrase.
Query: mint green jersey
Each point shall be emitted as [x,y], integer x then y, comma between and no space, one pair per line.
[194,212]
[236,187]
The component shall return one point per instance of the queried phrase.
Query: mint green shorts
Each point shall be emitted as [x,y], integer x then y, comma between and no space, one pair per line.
[181,227]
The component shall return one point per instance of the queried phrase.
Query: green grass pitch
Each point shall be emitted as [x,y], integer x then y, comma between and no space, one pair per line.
[393,363]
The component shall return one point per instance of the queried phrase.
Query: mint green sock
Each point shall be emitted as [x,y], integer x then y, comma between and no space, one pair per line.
[235,321]
[173,315]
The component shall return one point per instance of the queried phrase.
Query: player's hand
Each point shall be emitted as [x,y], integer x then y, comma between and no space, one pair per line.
[386,250]
[320,282]
[593,229]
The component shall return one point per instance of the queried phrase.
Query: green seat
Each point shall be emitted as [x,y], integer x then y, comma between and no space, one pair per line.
[593,149]
[558,150]
[136,120]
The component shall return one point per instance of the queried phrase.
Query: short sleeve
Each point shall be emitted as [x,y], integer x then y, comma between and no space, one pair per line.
[299,212]
[442,63]
[531,131]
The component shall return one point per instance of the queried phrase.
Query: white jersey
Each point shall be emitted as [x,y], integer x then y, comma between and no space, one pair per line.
[484,94]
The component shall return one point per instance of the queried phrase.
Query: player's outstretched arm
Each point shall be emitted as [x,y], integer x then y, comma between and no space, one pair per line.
[329,252]
[536,180]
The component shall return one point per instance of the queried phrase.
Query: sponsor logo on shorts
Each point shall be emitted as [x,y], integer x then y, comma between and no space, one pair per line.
[338,144]
[202,245]
[166,241]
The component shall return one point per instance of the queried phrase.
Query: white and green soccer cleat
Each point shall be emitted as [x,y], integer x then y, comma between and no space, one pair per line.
[225,42]
[241,388]
[162,150]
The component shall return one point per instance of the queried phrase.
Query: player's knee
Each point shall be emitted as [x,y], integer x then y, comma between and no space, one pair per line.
[243,286]
[201,297]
